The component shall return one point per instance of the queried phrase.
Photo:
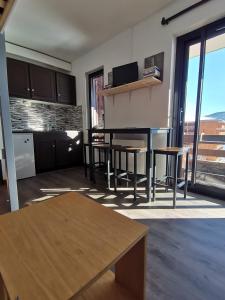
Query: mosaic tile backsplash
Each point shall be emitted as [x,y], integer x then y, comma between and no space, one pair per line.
[39,116]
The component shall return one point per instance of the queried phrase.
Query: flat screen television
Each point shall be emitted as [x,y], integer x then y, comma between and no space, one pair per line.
[125,74]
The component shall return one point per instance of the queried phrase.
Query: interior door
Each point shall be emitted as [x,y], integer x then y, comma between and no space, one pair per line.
[96,109]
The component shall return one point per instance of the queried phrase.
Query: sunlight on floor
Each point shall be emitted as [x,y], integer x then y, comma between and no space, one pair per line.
[194,206]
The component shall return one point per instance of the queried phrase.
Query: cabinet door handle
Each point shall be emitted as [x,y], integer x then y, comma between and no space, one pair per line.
[53,146]
[59,95]
[28,89]
[33,90]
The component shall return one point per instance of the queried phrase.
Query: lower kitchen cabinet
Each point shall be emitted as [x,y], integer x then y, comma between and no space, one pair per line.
[57,150]
[44,150]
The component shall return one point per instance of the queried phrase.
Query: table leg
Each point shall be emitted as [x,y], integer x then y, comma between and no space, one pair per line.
[175,181]
[186,175]
[110,145]
[135,176]
[147,169]
[130,270]
[168,144]
[3,291]
[108,167]
[149,165]
[92,178]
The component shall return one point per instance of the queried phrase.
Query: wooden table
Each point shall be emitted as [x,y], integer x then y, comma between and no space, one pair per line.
[64,248]
[148,132]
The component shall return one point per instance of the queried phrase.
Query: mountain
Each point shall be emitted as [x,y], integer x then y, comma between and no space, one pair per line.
[218,115]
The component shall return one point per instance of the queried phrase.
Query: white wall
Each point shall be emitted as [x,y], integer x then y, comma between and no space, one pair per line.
[150,106]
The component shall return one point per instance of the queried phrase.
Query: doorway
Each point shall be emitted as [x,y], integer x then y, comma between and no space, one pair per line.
[96,109]
[200,105]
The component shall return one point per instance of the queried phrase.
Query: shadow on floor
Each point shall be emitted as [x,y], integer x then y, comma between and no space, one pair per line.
[186,246]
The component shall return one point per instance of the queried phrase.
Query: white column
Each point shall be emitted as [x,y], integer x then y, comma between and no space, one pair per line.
[7,128]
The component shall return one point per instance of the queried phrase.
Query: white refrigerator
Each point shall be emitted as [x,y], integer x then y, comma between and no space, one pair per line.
[24,155]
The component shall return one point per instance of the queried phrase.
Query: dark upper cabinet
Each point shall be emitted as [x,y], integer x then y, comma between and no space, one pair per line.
[43,83]
[18,78]
[66,88]
[35,82]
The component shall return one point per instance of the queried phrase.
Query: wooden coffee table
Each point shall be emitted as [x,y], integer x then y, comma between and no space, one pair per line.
[65,248]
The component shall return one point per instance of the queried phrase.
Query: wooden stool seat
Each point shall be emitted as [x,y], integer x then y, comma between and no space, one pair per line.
[100,146]
[129,149]
[135,149]
[172,150]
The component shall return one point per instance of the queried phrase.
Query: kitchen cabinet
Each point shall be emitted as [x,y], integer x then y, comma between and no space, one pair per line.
[64,153]
[18,78]
[66,88]
[43,83]
[57,150]
[44,149]
[30,81]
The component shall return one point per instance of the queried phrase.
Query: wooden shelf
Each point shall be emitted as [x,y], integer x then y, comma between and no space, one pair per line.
[146,82]
[105,288]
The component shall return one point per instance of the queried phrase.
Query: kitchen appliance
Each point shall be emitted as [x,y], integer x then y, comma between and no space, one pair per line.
[125,74]
[24,155]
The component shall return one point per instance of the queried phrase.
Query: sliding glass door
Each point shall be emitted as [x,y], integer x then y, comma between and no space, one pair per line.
[210,167]
[188,112]
[200,99]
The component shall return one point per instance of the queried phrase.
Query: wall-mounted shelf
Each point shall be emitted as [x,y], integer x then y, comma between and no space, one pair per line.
[146,82]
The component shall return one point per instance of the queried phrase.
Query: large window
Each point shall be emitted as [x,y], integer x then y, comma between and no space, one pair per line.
[200,87]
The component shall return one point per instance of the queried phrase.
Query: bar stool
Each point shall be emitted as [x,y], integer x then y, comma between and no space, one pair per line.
[103,149]
[126,175]
[176,153]
[96,140]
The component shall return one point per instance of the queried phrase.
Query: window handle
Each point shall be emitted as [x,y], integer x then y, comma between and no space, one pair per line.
[181,115]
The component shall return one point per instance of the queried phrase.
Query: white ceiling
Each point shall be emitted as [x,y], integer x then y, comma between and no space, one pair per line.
[68,28]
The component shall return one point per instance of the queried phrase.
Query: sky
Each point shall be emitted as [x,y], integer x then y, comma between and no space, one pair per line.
[213,98]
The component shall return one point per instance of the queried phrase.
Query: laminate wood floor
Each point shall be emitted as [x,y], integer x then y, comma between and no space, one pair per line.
[186,245]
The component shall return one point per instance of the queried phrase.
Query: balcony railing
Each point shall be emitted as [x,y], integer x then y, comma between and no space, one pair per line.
[210,159]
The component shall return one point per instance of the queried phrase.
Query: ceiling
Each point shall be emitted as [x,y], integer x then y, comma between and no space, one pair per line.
[67,29]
